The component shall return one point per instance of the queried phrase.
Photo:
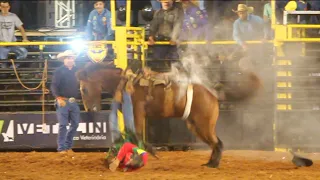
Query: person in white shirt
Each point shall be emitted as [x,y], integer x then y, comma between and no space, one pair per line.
[8,22]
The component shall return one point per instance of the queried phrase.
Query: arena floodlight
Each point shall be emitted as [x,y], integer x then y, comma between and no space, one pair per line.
[78,45]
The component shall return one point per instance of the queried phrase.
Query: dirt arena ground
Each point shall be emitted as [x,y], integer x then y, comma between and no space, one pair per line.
[172,165]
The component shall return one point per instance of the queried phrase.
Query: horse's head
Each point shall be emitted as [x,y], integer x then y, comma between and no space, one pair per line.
[95,78]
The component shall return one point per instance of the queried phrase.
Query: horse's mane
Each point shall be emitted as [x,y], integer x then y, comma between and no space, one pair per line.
[90,68]
[94,67]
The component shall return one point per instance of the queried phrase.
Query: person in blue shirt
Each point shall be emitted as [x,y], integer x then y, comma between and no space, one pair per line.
[65,89]
[247,27]
[99,25]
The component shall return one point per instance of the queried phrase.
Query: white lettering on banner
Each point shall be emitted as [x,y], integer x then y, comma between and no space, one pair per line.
[55,129]
[93,137]
[32,128]
[82,128]
[9,135]
[26,128]
[90,127]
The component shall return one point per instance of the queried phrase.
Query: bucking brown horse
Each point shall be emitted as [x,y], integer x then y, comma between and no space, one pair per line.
[163,95]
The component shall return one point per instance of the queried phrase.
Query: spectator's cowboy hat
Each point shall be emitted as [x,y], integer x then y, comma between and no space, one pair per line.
[250,10]
[241,8]
[67,53]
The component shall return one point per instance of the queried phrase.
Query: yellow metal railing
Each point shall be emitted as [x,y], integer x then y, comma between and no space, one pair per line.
[35,43]
[213,42]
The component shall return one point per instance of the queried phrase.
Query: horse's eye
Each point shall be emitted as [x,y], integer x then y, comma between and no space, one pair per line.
[84,90]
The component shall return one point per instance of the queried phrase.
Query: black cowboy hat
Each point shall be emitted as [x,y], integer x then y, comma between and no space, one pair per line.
[300,161]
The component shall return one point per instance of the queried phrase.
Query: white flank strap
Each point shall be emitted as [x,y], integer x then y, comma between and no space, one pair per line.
[187,109]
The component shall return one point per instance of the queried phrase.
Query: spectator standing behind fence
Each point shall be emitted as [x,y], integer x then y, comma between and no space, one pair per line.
[195,22]
[299,5]
[65,88]
[8,22]
[99,25]
[247,27]
[267,13]
[166,26]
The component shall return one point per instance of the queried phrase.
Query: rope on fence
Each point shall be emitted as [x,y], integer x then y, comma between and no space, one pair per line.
[42,84]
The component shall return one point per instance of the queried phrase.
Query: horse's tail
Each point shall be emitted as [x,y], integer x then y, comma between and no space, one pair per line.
[244,90]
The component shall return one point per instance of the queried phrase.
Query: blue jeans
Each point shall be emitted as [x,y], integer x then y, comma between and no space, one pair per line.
[20,52]
[127,110]
[201,4]
[162,52]
[70,113]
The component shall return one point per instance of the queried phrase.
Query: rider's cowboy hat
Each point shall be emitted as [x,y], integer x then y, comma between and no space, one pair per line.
[67,53]
[241,8]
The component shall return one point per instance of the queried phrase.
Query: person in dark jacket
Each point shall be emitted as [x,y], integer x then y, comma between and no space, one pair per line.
[166,26]
[65,89]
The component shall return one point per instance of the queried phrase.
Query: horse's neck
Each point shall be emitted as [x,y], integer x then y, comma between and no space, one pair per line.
[110,79]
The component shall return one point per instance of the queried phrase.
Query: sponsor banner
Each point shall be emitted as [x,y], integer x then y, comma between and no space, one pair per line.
[26,131]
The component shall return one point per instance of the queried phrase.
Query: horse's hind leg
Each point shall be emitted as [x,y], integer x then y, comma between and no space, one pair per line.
[207,135]
[216,154]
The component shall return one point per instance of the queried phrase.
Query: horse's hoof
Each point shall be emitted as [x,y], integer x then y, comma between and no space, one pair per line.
[211,165]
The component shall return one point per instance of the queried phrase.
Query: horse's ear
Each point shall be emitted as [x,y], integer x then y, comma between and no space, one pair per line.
[82,75]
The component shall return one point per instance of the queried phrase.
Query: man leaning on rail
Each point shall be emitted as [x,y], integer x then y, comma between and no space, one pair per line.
[166,26]
[65,89]
[8,23]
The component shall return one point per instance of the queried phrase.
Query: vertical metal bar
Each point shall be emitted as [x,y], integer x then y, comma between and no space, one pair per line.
[135,47]
[285,17]
[128,13]
[56,10]
[143,49]
[113,14]
[121,62]
[289,32]
[68,13]
[73,13]
[41,52]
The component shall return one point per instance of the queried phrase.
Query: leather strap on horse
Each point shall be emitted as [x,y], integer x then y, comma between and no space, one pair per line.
[126,82]
[150,86]
[42,84]
[187,108]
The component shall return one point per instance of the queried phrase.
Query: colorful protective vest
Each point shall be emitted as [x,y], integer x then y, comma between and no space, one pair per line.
[128,137]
